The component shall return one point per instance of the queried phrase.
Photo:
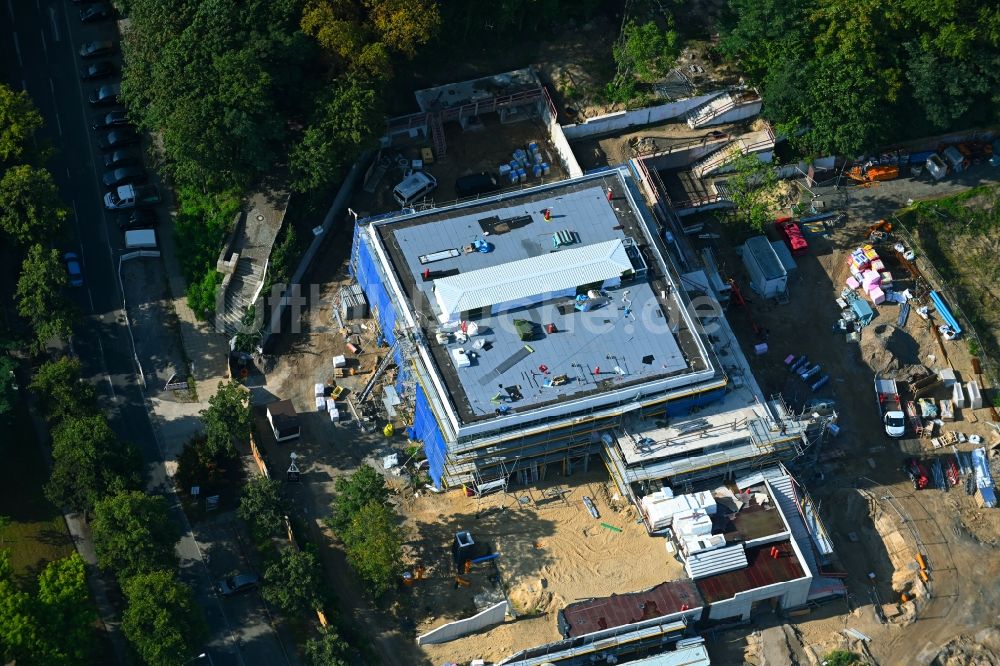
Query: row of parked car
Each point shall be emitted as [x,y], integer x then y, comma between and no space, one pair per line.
[124,173]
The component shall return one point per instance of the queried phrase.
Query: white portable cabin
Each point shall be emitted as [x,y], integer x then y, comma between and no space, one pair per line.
[768,276]
[283,419]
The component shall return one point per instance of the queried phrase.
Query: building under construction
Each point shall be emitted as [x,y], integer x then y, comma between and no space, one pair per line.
[549,328]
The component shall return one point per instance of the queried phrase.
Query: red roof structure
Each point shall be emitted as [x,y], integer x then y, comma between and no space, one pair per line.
[762,569]
[586,617]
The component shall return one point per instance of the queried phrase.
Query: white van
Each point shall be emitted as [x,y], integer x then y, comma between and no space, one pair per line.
[140,239]
[415,186]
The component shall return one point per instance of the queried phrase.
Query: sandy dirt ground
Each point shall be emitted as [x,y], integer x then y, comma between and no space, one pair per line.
[876,518]
[552,553]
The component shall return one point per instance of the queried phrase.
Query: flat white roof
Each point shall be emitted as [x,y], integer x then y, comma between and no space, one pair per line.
[530,278]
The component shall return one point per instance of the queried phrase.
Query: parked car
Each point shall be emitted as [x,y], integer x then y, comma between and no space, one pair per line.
[140,218]
[73,269]
[96,49]
[476,183]
[99,12]
[132,196]
[120,158]
[112,119]
[124,176]
[101,69]
[414,187]
[117,138]
[243,582]
[105,95]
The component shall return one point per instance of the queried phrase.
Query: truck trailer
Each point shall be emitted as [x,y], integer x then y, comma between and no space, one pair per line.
[889,406]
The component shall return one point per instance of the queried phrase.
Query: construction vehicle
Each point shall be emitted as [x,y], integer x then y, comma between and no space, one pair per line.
[917,473]
[870,173]
[887,392]
[880,230]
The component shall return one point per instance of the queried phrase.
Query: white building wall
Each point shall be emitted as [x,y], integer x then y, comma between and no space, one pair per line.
[620,120]
[790,594]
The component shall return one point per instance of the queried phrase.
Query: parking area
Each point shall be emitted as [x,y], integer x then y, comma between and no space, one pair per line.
[153,324]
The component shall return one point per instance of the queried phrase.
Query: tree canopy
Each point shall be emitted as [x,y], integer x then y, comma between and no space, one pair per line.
[19,120]
[227,417]
[40,295]
[374,545]
[854,76]
[261,506]
[133,533]
[61,389]
[89,462]
[292,581]
[30,209]
[327,649]
[161,619]
[353,492]
[214,78]
[53,626]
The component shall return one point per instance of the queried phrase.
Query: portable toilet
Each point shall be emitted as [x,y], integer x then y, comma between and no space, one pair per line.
[768,276]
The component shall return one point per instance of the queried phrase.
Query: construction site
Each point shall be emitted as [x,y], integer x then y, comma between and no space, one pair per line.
[612,434]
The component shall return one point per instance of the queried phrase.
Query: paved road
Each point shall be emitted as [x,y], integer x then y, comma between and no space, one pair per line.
[39,40]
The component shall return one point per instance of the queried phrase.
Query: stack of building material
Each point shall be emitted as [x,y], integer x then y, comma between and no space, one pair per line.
[958,395]
[660,508]
[713,562]
[692,523]
[985,490]
[701,543]
[975,396]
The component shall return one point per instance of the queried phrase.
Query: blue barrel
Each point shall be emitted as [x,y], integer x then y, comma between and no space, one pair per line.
[536,171]
[522,175]
[513,176]
[538,158]
[545,168]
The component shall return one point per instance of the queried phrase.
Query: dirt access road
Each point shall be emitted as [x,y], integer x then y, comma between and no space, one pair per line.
[876,518]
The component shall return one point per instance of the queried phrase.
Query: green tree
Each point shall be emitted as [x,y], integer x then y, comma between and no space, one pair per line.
[327,649]
[840,658]
[202,294]
[345,123]
[133,534]
[161,619]
[61,389]
[19,120]
[197,466]
[364,34]
[30,210]
[750,186]
[214,79]
[291,581]
[65,610]
[374,546]
[364,486]
[261,506]
[40,297]
[89,462]
[646,51]
[227,417]
[21,637]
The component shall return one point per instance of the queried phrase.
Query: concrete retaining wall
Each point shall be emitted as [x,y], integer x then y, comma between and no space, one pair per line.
[336,208]
[789,595]
[470,625]
[620,120]
[560,144]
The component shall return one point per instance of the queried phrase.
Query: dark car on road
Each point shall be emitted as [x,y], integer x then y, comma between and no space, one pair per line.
[105,95]
[243,582]
[117,138]
[99,12]
[113,119]
[140,218]
[101,69]
[96,49]
[120,158]
[476,183]
[124,176]
[73,270]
